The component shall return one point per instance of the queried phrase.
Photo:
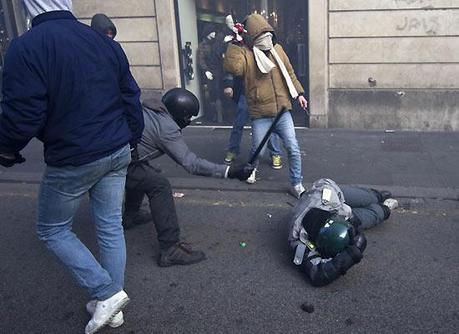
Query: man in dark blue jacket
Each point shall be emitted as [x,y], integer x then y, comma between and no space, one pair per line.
[71,87]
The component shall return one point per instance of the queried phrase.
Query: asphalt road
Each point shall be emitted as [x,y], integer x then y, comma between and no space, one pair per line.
[408,281]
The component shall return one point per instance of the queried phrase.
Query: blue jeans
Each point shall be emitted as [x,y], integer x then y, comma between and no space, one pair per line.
[365,205]
[286,131]
[242,116]
[61,192]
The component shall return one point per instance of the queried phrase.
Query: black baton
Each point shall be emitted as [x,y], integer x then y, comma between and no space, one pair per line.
[266,137]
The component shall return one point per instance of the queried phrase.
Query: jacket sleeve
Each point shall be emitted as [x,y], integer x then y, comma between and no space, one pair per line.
[324,271]
[24,104]
[228,80]
[234,61]
[130,92]
[290,71]
[173,144]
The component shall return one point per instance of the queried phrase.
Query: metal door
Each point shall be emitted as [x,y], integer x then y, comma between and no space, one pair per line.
[188,40]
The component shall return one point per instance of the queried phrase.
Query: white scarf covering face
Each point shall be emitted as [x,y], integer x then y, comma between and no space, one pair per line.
[265,43]
[37,7]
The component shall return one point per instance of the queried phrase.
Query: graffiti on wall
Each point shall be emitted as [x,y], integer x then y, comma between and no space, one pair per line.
[428,26]
[420,3]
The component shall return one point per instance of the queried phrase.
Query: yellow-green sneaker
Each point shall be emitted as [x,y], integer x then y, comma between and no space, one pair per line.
[230,157]
[276,161]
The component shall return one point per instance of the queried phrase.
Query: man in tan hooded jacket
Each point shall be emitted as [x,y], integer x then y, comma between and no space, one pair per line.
[270,84]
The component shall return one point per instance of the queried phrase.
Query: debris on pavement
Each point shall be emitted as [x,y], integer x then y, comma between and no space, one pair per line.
[309,308]
[243,244]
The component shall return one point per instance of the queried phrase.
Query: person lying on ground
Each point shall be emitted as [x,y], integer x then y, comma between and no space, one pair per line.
[326,229]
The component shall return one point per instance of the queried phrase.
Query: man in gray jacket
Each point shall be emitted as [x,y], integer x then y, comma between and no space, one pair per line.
[162,135]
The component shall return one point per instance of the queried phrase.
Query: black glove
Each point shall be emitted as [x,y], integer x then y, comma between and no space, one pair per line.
[360,242]
[355,253]
[7,161]
[352,235]
[240,172]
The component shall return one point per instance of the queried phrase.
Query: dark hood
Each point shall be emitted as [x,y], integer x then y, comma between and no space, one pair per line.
[255,24]
[102,24]
[155,104]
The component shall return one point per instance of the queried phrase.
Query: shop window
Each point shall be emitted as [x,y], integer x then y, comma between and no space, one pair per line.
[289,18]
[13,22]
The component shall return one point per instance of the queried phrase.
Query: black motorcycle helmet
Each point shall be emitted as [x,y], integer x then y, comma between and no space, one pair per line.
[333,237]
[328,231]
[182,105]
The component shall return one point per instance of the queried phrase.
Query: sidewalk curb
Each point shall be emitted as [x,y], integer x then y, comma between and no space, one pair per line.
[282,187]
[211,184]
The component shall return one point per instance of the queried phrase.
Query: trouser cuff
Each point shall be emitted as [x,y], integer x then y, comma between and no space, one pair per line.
[386,210]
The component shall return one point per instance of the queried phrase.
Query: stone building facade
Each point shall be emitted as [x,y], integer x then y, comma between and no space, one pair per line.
[147,33]
[386,64]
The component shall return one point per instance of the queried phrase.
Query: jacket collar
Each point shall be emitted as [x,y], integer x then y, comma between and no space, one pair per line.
[53,15]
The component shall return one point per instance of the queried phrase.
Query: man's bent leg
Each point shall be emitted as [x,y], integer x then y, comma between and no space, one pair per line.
[372,215]
[133,200]
[106,205]
[274,144]
[60,193]
[260,127]
[286,130]
[357,197]
[162,206]
[133,215]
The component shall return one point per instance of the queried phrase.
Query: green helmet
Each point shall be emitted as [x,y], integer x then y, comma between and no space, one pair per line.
[333,237]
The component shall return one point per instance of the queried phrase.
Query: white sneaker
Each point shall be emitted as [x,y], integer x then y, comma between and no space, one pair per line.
[252,177]
[117,320]
[106,310]
[297,190]
[391,203]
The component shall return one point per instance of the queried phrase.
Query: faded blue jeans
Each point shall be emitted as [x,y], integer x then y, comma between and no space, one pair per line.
[61,192]
[365,205]
[242,116]
[286,131]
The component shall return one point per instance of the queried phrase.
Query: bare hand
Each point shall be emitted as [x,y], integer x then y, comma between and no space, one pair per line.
[303,102]
[228,91]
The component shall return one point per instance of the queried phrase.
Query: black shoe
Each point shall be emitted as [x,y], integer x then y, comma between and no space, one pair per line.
[180,254]
[385,194]
[133,220]
[386,211]
[382,195]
